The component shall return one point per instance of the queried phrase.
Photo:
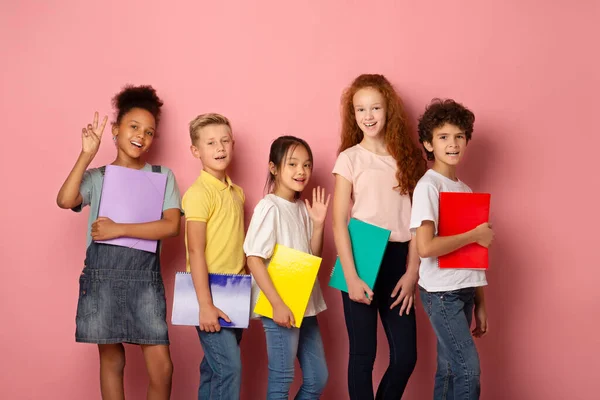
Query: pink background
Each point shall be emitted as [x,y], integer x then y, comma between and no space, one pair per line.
[526,68]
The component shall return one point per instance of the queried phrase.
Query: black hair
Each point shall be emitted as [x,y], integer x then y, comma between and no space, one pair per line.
[440,112]
[279,149]
[131,97]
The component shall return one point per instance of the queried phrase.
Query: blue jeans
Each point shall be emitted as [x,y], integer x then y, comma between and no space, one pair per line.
[283,346]
[221,366]
[451,313]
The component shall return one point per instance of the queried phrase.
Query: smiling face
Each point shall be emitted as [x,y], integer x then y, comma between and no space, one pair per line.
[214,146]
[294,173]
[448,146]
[369,111]
[134,133]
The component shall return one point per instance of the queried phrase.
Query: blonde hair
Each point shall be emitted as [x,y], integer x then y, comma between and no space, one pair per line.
[203,120]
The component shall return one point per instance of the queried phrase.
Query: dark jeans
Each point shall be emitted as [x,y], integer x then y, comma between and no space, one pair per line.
[401,333]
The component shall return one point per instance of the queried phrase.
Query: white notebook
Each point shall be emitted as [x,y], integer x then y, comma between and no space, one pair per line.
[230,293]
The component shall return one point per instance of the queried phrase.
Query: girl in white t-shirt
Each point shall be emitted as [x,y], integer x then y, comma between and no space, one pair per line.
[282,218]
[376,171]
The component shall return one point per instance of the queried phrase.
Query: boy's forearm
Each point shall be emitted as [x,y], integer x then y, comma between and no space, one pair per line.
[479,296]
[199,272]
[316,241]
[68,195]
[441,245]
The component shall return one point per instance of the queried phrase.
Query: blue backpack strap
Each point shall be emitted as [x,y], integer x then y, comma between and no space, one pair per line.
[157,168]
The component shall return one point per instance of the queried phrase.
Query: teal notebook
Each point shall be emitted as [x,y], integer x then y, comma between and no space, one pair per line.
[368,246]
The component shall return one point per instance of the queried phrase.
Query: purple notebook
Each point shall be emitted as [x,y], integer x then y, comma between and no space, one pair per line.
[132,196]
[230,293]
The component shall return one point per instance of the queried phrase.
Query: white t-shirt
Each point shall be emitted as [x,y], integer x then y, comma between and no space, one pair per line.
[426,207]
[278,221]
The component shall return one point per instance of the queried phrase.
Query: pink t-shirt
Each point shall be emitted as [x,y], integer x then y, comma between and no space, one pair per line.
[375,200]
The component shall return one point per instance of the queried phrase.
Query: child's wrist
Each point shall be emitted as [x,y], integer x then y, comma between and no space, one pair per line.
[412,273]
[319,225]
[205,302]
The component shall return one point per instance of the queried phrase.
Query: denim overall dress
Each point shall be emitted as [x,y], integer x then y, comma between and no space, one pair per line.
[121,296]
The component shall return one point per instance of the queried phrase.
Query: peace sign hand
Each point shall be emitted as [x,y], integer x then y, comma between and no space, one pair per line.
[91,136]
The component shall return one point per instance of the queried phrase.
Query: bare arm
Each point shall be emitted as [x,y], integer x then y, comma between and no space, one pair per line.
[413,261]
[209,314]
[104,228]
[261,275]
[430,245]
[357,289]
[196,238]
[481,318]
[316,240]
[166,227]
[479,296]
[341,206]
[68,195]
[282,315]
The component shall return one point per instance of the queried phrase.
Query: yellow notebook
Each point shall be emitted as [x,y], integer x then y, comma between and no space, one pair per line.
[293,273]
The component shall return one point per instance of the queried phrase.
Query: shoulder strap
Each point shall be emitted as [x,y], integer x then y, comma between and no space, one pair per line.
[102,169]
[157,168]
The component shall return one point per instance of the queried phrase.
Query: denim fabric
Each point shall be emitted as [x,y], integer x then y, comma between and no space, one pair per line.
[458,372]
[283,346]
[121,301]
[221,366]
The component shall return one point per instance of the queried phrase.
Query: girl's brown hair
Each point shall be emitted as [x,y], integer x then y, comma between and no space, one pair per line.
[410,162]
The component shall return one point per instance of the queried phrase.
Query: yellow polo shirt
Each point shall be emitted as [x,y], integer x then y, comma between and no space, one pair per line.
[221,206]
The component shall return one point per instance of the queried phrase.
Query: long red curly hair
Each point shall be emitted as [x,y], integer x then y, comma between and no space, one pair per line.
[410,162]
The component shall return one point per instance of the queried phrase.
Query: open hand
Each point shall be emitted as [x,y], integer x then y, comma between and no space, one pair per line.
[406,287]
[318,210]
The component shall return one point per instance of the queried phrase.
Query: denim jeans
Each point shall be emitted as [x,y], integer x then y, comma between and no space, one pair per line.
[283,346]
[221,367]
[450,314]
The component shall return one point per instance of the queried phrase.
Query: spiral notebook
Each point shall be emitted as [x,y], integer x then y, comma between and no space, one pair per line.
[230,293]
[293,273]
[459,213]
[368,247]
[132,196]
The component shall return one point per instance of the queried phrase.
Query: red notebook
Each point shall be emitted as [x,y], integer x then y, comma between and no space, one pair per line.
[459,213]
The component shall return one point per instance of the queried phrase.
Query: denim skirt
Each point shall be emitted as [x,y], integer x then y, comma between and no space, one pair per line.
[121,297]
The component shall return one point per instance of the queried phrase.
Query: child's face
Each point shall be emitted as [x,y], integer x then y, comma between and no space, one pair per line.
[294,173]
[135,132]
[369,111]
[214,147]
[448,144]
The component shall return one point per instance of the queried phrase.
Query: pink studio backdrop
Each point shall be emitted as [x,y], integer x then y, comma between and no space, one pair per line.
[527,69]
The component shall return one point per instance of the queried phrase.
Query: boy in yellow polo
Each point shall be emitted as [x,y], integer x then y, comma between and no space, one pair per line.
[214,237]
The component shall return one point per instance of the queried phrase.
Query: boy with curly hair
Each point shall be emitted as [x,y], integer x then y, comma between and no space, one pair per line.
[450,296]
